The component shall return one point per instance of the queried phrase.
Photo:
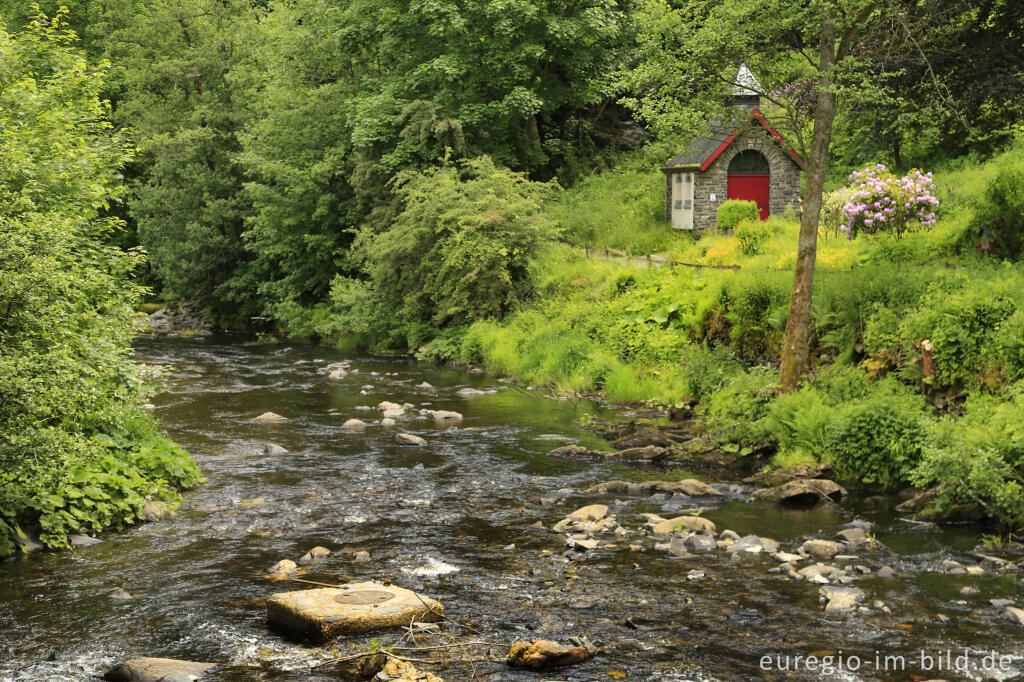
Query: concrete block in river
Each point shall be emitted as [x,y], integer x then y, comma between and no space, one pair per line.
[322,614]
[154,669]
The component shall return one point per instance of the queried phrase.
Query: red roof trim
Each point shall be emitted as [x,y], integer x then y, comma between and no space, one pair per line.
[759,117]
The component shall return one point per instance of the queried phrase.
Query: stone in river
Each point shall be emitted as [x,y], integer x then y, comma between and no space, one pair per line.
[853,536]
[269,417]
[282,570]
[314,554]
[361,556]
[387,421]
[468,392]
[541,654]
[753,544]
[822,550]
[424,385]
[803,491]
[886,572]
[274,449]
[409,439]
[446,416]
[353,424]
[1014,615]
[841,599]
[155,510]
[394,412]
[592,512]
[322,614]
[82,541]
[155,669]
[697,524]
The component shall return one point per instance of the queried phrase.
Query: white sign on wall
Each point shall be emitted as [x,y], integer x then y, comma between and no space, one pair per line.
[714,197]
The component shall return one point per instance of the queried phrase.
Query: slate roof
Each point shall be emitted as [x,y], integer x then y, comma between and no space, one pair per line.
[703,150]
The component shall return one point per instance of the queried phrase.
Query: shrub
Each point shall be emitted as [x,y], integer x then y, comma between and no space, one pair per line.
[998,219]
[753,235]
[731,212]
[459,251]
[882,202]
[879,440]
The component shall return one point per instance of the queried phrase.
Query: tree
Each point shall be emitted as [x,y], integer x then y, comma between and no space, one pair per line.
[811,57]
[67,381]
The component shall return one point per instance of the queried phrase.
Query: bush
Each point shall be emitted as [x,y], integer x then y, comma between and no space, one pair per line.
[459,251]
[732,211]
[753,235]
[879,441]
[882,202]
[998,219]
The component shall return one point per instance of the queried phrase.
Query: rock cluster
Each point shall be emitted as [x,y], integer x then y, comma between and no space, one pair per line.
[186,320]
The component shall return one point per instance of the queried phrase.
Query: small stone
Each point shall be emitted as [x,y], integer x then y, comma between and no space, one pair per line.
[394,412]
[969,590]
[953,567]
[1000,603]
[353,424]
[388,405]
[409,439]
[886,572]
[119,594]
[787,557]
[468,392]
[361,556]
[697,524]
[446,416]
[82,541]
[314,554]
[156,510]
[274,449]
[424,385]
[729,535]
[841,599]
[822,550]
[337,374]
[753,544]
[975,570]
[387,421]
[155,669]
[697,543]
[269,417]
[539,654]
[282,570]
[592,512]
[853,536]
[583,545]
[1014,615]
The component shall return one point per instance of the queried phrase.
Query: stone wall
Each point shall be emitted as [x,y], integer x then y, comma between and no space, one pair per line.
[783,171]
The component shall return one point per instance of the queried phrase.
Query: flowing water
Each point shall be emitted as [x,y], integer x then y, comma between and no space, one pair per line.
[439,519]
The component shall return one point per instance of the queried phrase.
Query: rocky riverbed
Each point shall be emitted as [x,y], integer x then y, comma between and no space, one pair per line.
[491,499]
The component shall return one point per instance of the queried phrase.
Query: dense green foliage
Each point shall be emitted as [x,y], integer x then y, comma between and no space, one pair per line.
[75,453]
[731,212]
[458,251]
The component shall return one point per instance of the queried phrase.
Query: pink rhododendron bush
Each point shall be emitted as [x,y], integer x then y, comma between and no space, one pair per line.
[883,202]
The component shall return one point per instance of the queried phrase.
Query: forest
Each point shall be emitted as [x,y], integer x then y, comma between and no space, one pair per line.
[478,184]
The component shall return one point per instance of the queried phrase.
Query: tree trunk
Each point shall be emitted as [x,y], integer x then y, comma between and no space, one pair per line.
[794,345]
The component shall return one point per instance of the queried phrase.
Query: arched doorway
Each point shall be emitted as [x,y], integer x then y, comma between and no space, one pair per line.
[749,179]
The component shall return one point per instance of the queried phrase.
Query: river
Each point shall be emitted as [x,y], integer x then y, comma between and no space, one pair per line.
[439,520]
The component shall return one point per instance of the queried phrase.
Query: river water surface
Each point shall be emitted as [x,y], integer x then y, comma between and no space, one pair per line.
[439,520]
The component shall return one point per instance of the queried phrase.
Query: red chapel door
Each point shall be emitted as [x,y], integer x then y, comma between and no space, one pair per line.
[751,187]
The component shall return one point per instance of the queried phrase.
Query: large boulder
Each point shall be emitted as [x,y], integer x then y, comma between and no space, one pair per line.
[322,614]
[541,654]
[803,492]
[154,669]
[777,477]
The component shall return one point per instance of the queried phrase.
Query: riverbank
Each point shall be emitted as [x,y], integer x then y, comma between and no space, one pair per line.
[916,361]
